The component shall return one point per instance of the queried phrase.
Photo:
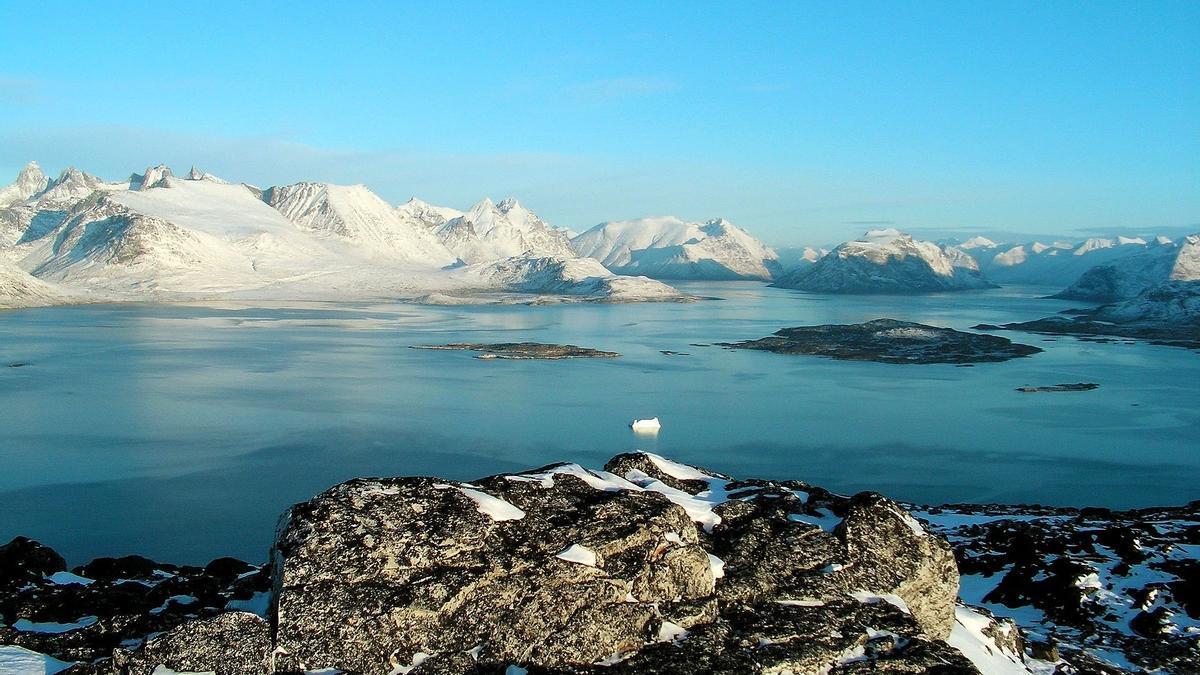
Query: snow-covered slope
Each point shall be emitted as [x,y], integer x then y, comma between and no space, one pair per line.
[18,288]
[887,261]
[354,214]
[1174,304]
[1128,276]
[491,231]
[427,215]
[30,181]
[667,247]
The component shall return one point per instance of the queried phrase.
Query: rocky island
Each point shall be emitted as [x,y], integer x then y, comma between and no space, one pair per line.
[524,350]
[647,566]
[889,341]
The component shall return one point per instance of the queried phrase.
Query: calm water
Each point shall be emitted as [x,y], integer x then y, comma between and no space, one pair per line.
[181,432]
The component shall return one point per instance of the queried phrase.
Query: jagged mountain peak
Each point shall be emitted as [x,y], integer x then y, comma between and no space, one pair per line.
[29,182]
[152,177]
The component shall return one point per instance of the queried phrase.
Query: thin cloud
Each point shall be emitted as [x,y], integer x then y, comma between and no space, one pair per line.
[868,222]
[611,89]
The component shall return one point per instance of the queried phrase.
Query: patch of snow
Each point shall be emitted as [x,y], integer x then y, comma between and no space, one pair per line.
[869,598]
[494,507]
[22,661]
[716,565]
[578,554]
[967,636]
[27,626]
[65,578]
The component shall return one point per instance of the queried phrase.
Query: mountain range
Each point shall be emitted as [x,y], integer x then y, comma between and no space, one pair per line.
[155,235]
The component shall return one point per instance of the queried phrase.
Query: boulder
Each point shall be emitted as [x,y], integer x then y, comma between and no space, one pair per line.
[233,643]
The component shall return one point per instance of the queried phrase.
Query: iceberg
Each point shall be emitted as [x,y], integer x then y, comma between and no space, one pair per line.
[650,426]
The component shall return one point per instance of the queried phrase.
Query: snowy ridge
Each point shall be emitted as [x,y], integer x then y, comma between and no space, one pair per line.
[667,247]
[887,261]
[18,288]
[489,231]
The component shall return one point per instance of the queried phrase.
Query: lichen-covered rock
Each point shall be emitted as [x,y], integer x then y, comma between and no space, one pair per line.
[543,569]
[234,643]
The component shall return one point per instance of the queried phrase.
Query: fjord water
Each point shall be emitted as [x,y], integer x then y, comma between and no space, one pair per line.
[181,432]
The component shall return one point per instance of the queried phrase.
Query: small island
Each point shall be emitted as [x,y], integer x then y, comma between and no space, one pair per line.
[1077,386]
[524,350]
[889,341]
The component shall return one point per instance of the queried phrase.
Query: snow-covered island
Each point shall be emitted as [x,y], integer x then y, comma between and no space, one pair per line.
[521,351]
[646,566]
[160,237]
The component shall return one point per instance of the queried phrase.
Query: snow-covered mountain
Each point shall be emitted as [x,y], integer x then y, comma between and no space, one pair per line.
[667,247]
[1174,304]
[563,276]
[157,235]
[491,231]
[1128,276]
[887,261]
[355,214]
[792,258]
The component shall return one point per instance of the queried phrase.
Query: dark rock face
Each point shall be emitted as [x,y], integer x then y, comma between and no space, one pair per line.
[1077,386]
[111,602]
[524,350]
[889,341]
[1115,581]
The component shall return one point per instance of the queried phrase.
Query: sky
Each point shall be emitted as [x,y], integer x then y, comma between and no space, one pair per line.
[804,122]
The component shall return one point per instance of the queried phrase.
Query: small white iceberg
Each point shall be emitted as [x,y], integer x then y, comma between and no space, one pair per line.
[650,426]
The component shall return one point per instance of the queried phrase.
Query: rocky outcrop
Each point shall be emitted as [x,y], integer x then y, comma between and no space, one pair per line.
[889,341]
[647,566]
[565,568]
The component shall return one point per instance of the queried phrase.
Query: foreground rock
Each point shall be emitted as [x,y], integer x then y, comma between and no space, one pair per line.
[648,566]
[524,350]
[889,341]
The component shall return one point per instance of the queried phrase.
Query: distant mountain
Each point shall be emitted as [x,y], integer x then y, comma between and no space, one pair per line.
[490,231]
[667,247]
[1129,276]
[29,182]
[156,235]
[794,257]
[887,261]
[1058,263]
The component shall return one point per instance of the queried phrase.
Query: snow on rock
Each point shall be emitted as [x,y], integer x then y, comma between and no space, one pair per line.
[493,507]
[490,231]
[975,635]
[29,182]
[667,247]
[886,261]
[152,177]
[578,554]
[21,661]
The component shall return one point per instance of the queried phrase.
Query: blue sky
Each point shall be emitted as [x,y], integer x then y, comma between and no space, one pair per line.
[802,121]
